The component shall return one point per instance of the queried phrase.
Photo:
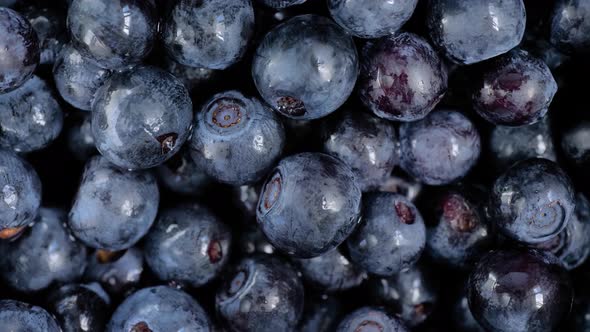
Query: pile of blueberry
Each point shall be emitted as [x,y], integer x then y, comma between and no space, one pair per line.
[294,165]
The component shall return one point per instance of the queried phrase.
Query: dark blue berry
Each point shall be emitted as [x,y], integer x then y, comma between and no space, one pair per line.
[117,274]
[181,175]
[16,316]
[79,308]
[367,319]
[570,25]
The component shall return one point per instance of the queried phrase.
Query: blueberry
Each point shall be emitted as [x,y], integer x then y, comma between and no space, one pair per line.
[18,316]
[79,137]
[473,31]
[331,271]
[115,34]
[320,314]
[572,245]
[20,194]
[373,18]
[187,245]
[181,175]
[49,24]
[519,291]
[402,78]
[367,319]
[236,139]
[440,148]
[570,25]
[279,4]
[462,316]
[79,308]
[309,204]
[575,144]
[262,294]
[532,202]
[509,145]
[140,118]
[367,144]
[159,309]
[20,50]
[458,232]
[30,117]
[391,236]
[113,208]
[306,67]
[516,89]
[77,78]
[42,255]
[212,34]
[412,293]
[118,275]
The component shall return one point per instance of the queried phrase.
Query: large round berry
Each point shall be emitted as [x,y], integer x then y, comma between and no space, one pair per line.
[533,201]
[516,89]
[371,18]
[261,294]
[80,308]
[211,34]
[113,208]
[23,317]
[368,319]
[473,31]
[306,67]
[20,194]
[236,139]
[309,204]
[570,25]
[519,291]
[440,148]
[391,236]
[187,245]
[115,33]
[20,50]
[402,78]
[140,118]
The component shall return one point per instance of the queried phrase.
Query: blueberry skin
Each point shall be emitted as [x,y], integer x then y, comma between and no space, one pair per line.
[159,309]
[16,316]
[49,24]
[575,144]
[21,193]
[331,271]
[458,231]
[532,202]
[519,291]
[113,208]
[141,118]
[309,204]
[212,34]
[117,276]
[440,148]
[236,139]
[181,175]
[80,140]
[572,245]
[462,316]
[306,67]
[20,44]
[191,77]
[79,308]
[473,31]
[30,117]
[515,90]
[77,78]
[123,31]
[402,78]
[509,145]
[391,236]
[412,294]
[570,25]
[42,255]
[321,314]
[187,245]
[263,294]
[367,144]
[280,4]
[371,319]
[373,18]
